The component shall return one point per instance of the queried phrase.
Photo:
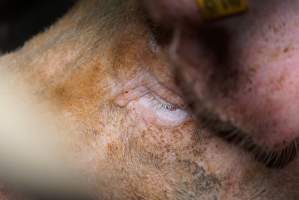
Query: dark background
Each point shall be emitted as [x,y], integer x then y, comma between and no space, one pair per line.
[22,19]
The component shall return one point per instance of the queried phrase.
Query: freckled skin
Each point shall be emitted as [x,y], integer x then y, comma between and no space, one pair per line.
[83,63]
[246,67]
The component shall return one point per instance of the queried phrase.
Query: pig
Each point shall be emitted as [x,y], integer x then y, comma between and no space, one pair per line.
[140,108]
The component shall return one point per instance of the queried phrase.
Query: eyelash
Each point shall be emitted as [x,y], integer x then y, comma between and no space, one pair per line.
[168,107]
[161,104]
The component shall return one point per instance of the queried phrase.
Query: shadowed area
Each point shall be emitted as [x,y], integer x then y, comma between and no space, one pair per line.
[20,20]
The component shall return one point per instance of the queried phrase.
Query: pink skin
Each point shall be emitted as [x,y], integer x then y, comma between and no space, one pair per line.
[262,47]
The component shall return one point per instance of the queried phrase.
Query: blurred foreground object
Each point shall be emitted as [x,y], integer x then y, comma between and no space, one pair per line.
[33,160]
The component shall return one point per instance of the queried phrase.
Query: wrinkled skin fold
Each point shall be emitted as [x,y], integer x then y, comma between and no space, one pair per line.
[102,71]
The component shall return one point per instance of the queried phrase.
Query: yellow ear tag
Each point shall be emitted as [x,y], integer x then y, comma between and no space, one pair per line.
[215,9]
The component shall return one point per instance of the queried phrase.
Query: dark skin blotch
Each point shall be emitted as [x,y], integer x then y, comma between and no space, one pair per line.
[201,181]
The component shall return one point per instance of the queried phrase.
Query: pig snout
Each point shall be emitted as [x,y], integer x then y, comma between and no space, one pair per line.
[246,69]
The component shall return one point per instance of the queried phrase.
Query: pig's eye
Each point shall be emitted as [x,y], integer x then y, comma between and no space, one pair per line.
[157,110]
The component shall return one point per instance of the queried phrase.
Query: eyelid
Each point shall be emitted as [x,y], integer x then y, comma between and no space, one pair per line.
[144,83]
[151,108]
[167,94]
[164,104]
[157,89]
[130,95]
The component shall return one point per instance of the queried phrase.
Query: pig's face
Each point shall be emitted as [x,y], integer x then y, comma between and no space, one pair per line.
[114,85]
